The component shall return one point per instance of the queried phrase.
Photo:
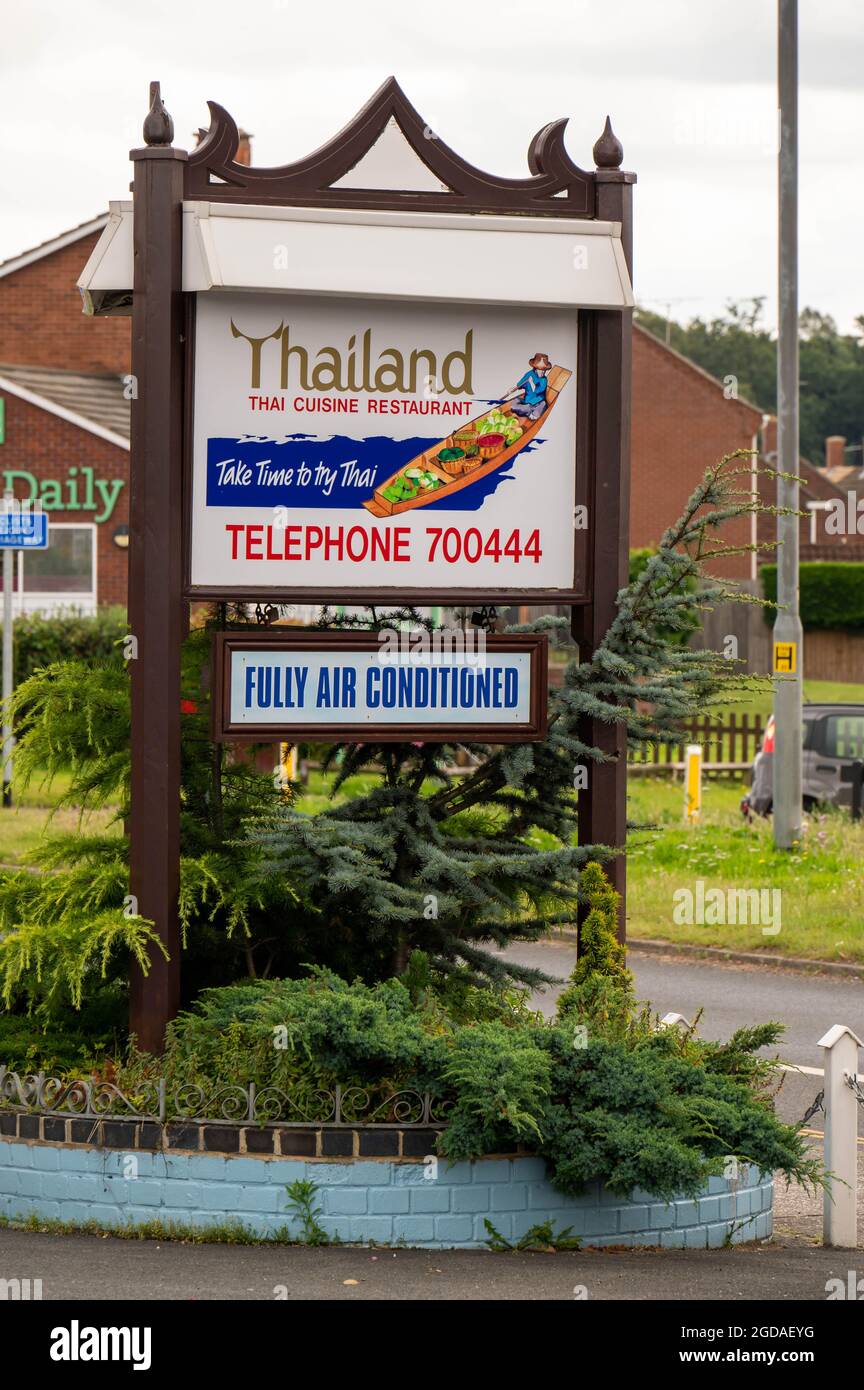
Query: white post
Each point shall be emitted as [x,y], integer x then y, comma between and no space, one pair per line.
[840,1211]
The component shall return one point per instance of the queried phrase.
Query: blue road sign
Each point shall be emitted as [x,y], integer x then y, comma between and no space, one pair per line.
[23,530]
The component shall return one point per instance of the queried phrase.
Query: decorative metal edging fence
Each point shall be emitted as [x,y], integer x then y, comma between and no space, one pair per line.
[341,1106]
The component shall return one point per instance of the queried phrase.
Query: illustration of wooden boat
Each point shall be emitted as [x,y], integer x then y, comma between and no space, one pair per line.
[462,457]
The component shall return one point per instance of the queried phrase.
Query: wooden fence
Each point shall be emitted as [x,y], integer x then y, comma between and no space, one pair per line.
[728,745]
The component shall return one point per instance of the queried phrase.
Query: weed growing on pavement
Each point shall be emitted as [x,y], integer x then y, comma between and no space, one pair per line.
[540,1237]
[301,1199]
[220,1233]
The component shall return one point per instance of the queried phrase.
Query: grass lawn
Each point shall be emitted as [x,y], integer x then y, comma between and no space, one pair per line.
[815,693]
[22,828]
[25,823]
[822,883]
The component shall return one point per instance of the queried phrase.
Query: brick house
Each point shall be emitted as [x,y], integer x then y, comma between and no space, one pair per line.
[66,425]
[682,423]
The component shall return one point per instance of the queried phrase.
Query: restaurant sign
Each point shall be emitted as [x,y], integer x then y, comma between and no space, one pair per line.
[351,447]
[388,687]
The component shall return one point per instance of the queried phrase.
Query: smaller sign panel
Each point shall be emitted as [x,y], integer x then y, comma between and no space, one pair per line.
[23,529]
[387,687]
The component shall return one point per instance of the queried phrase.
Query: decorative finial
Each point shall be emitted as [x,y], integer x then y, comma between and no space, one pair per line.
[158,126]
[608,152]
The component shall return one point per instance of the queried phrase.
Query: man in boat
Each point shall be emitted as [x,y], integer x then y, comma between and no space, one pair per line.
[531,388]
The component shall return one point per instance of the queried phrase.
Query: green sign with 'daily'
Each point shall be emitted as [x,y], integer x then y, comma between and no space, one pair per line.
[79,491]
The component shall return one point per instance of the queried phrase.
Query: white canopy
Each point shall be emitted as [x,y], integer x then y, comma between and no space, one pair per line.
[542,262]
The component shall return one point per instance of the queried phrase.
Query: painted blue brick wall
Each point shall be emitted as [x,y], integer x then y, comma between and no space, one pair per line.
[382,1201]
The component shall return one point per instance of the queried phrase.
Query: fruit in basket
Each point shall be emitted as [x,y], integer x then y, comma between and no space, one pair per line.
[452,461]
[499,422]
[401,491]
[410,484]
[491,444]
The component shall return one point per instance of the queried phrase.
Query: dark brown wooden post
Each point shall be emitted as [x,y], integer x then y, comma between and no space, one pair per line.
[606,434]
[155,565]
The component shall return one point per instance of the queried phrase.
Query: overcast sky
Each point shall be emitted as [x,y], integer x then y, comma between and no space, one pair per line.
[690,86]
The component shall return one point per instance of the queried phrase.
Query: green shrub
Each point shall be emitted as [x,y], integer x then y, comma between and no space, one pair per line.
[639,558]
[651,1108]
[831,594]
[601,986]
[66,1045]
[40,640]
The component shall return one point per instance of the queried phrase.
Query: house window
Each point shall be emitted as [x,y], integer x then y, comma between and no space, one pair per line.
[63,576]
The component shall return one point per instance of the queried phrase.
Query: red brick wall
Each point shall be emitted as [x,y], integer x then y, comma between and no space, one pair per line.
[41,323]
[40,443]
[682,423]
[815,486]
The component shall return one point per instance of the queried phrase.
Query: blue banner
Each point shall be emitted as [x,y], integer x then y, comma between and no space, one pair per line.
[305,472]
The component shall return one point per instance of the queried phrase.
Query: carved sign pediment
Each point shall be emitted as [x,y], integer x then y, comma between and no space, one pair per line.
[333,175]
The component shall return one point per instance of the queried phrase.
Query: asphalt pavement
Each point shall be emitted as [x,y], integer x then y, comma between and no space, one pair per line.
[92,1268]
[730,997]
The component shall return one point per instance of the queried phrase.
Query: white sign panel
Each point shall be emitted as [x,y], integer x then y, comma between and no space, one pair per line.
[285,688]
[288,684]
[344,447]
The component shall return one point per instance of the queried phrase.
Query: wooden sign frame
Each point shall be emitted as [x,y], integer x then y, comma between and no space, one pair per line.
[164,178]
[300,640]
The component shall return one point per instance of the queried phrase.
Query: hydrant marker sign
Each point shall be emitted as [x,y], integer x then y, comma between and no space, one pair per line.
[347,445]
[323,685]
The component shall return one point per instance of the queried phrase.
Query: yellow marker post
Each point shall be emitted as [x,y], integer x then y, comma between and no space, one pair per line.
[785,658]
[287,763]
[693,784]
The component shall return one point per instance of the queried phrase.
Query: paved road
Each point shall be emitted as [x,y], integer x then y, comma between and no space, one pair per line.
[731,996]
[93,1268]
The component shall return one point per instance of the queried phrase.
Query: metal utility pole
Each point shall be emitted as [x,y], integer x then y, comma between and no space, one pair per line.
[788,650]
